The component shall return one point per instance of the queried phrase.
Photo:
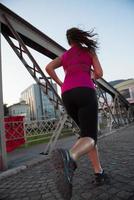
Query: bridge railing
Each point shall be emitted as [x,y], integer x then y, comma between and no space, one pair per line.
[37,131]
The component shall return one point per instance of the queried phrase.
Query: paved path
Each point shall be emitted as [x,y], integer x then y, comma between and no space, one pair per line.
[117,155]
[21,156]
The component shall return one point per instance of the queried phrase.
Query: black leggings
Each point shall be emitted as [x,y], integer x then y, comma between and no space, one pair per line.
[81,104]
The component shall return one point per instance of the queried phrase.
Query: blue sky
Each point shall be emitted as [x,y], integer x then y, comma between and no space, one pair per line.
[112,19]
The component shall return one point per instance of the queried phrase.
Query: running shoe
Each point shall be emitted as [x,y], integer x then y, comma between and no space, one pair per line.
[101,179]
[64,168]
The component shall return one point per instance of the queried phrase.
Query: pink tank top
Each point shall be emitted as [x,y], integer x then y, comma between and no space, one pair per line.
[76,63]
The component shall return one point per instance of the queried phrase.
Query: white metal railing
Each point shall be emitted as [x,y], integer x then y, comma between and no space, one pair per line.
[32,130]
[39,129]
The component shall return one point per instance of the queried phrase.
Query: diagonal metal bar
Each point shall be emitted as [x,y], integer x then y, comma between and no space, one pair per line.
[55,135]
[30,69]
[104,97]
[18,38]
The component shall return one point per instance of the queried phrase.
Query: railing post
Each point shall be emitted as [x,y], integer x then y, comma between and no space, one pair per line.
[24,129]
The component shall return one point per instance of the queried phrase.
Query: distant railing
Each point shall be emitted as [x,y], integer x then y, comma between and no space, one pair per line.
[36,130]
[41,130]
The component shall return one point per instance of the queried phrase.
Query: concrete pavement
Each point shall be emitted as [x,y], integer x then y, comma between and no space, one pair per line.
[35,181]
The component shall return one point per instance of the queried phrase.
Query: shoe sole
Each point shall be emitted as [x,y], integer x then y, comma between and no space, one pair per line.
[62,184]
[105,181]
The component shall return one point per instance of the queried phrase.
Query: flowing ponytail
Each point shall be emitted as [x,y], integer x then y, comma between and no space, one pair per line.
[86,38]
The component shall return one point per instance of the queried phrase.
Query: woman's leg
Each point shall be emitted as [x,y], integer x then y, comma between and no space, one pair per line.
[84,112]
[86,146]
[81,147]
[94,158]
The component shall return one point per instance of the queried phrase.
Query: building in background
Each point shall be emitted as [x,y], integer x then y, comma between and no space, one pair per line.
[19,109]
[40,105]
[126,88]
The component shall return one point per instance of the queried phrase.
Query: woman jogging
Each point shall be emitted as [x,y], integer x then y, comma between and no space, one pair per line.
[80,100]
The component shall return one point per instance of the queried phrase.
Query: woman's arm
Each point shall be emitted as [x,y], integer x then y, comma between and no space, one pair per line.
[50,69]
[97,69]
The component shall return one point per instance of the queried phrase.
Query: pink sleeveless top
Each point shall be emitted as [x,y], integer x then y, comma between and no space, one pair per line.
[76,63]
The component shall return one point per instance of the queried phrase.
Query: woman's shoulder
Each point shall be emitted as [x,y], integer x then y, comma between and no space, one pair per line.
[88,52]
[92,54]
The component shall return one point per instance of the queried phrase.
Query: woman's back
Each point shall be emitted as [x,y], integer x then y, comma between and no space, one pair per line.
[76,62]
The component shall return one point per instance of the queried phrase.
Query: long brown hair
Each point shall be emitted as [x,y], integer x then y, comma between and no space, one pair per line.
[86,38]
